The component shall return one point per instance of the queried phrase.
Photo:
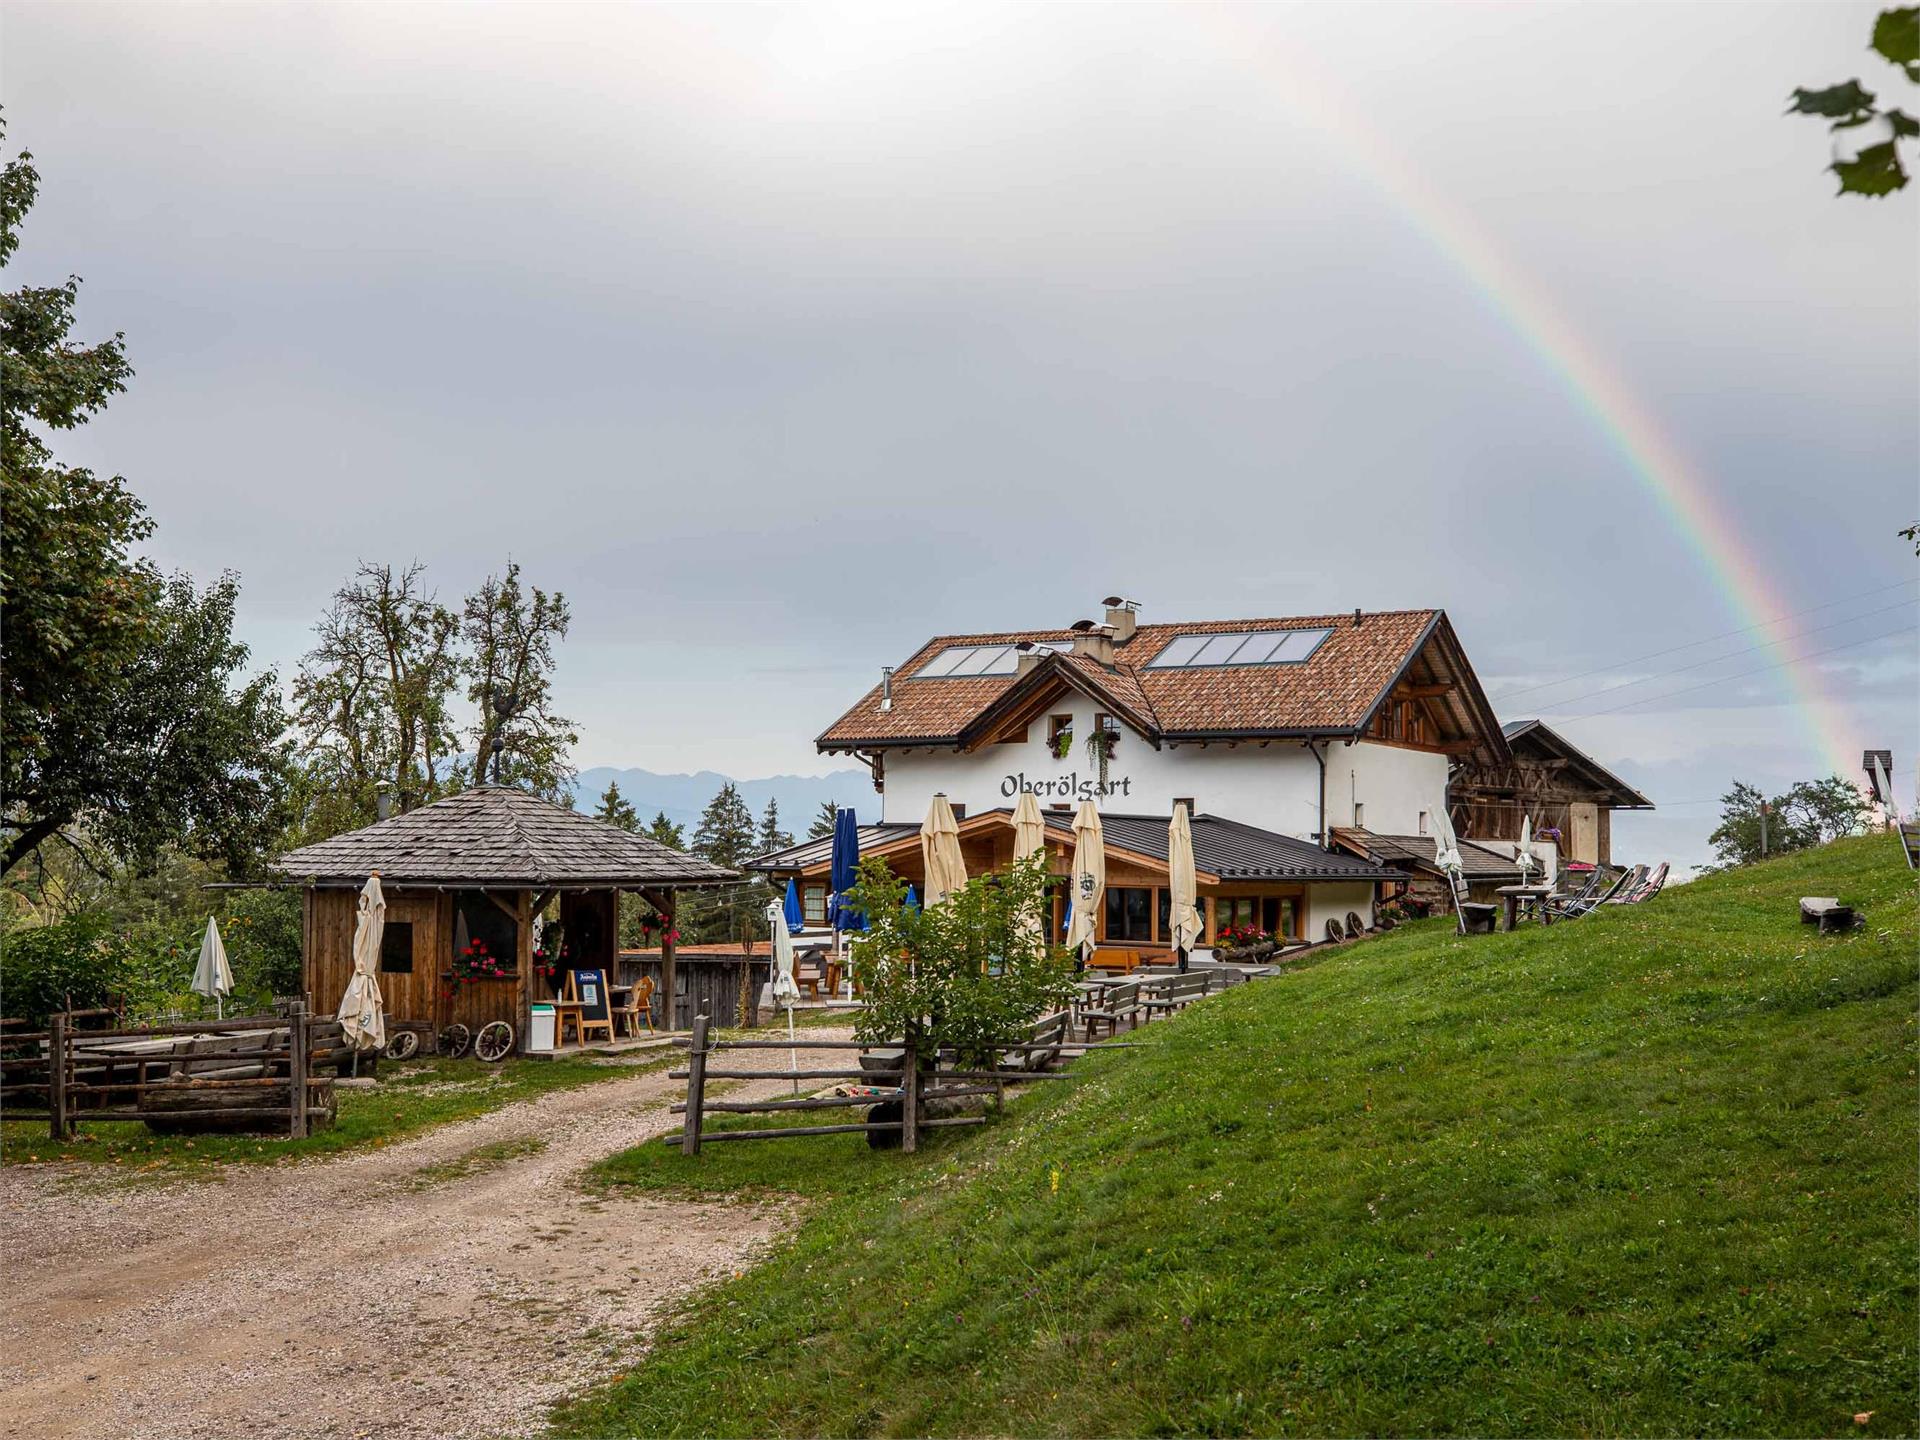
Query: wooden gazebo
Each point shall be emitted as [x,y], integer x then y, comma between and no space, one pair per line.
[481,863]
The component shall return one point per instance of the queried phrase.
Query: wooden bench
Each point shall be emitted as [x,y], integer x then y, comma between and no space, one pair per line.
[1174,993]
[1828,913]
[1117,1003]
[1123,961]
[1050,1030]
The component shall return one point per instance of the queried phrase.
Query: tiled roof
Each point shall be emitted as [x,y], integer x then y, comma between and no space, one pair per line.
[1334,691]
[1477,862]
[497,835]
[1221,847]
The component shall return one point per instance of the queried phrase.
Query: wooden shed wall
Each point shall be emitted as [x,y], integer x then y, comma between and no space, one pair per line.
[421,996]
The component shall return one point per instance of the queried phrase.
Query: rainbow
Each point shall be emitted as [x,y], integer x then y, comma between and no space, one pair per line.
[1683,495]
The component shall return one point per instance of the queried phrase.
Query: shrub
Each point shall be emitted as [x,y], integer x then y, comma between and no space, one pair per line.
[81,963]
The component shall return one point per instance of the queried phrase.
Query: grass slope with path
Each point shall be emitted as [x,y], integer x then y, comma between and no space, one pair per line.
[1649,1173]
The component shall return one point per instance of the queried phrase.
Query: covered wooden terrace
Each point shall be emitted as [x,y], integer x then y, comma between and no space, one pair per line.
[476,869]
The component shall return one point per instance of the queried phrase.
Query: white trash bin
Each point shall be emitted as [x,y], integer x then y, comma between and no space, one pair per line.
[540,1040]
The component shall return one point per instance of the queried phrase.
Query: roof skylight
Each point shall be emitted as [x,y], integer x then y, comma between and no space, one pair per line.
[964,661]
[1239,647]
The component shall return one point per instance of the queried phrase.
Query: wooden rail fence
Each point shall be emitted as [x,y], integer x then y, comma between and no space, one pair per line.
[233,1074]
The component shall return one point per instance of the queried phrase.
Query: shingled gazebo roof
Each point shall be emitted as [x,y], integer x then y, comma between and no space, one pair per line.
[498,837]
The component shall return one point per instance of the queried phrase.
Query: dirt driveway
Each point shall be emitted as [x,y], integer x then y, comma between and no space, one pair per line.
[356,1295]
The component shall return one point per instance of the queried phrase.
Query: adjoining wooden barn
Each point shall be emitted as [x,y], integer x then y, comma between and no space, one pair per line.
[479,866]
[1548,779]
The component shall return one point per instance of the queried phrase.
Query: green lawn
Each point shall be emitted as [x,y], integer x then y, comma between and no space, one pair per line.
[1650,1173]
[409,1098]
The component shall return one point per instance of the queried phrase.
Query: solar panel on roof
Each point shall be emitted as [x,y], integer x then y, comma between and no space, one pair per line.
[1240,647]
[958,661]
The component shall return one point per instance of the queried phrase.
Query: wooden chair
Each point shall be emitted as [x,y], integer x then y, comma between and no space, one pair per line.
[638,1010]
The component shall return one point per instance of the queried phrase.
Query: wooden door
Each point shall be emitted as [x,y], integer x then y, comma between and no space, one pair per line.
[1584,841]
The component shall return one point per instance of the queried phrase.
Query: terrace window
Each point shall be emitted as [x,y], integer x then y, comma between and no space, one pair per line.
[396,948]
[1129,913]
[813,904]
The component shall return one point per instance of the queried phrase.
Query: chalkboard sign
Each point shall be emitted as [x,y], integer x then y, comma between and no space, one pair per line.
[595,1004]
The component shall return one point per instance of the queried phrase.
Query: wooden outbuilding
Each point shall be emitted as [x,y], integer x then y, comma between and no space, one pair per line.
[480,866]
[1548,779]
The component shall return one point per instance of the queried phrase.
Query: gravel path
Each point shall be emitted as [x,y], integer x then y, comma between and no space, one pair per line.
[222,1307]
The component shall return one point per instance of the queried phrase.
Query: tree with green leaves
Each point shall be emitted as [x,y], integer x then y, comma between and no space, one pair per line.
[1812,812]
[771,836]
[822,826]
[518,739]
[373,698]
[118,728]
[660,828]
[728,913]
[616,809]
[1866,135]
[969,973]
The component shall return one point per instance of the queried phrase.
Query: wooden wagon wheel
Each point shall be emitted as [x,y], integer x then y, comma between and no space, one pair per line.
[404,1045]
[454,1041]
[494,1042]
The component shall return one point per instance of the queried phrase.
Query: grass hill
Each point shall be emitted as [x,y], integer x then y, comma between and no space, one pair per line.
[1650,1173]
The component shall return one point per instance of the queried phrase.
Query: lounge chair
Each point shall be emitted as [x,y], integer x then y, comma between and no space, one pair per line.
[1472,917]
[1566,906]
[1623,894]
[1594,902]
[1910,843]
[1650,888]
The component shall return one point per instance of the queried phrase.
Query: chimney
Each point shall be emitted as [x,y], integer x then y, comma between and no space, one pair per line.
[1122,616]
[1356,617]
[383,802]
[886,687]
[1093,640]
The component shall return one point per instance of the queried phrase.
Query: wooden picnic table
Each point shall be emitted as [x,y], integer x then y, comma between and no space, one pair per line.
[1511,897]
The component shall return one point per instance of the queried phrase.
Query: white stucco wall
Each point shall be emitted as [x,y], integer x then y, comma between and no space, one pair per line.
[1328,901]
[1393,785]
[1275,786]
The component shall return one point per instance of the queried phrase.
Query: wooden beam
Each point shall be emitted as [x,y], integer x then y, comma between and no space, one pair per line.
[1423,692]
[512,912]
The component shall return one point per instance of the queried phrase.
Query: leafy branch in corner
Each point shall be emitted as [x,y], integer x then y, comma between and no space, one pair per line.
[1867,137]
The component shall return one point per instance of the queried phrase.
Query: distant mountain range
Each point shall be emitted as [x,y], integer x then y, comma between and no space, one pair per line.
[683,797]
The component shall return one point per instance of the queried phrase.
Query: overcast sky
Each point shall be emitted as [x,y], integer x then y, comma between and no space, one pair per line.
[780,338]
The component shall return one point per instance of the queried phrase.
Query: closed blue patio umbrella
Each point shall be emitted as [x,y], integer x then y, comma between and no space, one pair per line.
[790,910]
[843,874]
[912,902]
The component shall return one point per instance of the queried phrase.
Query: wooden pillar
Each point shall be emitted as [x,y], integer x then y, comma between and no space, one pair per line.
[696,1087]
[299,1043]
[909,1097]
[523,969]
[57,1078]
[667,962]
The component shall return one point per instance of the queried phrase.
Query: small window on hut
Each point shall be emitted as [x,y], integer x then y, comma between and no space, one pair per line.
[486,924]
[813,904]
[396,948]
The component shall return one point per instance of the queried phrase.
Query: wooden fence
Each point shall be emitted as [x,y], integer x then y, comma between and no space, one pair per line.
[896,1077]
[241,1074]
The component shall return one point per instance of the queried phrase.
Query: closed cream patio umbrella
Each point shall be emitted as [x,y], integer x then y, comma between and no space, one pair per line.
[1183,885]
[211,977]
[1089,878]
[362,1015]
[785,992]
[940,851]
[1029,827]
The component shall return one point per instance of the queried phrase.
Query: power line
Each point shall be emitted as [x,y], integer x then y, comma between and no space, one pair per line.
[1675,649]
[1742,674]
[1716,659]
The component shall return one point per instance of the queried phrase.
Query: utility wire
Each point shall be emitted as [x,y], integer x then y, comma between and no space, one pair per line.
[1675,649]
[1742,674]
[1716,659]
